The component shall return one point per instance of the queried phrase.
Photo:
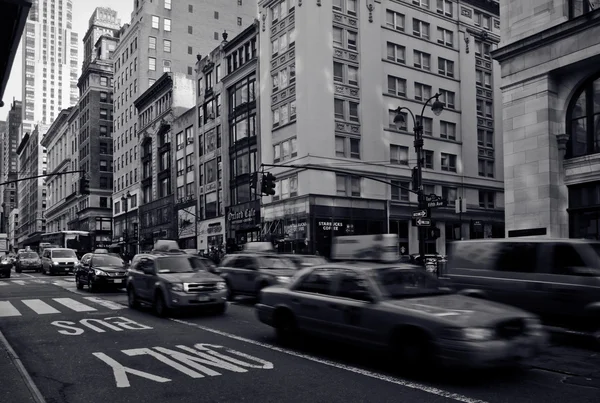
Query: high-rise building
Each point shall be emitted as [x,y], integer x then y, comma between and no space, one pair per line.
[163,36]
[551,91]
[335,102]
[94,144]
[32,192]
[9,161]
[228,142]
[49,62]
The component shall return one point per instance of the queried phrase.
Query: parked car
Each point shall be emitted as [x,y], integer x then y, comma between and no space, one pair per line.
[170,279]
[28,261]
[558,279]
[101,270]
[59,261]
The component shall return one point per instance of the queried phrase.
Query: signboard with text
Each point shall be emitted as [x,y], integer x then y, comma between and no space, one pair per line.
[243,215]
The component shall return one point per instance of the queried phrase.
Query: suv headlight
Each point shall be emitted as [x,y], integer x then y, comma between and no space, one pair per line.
[283,279]
[177,287]
[100,272]
[470,334]
[221,285]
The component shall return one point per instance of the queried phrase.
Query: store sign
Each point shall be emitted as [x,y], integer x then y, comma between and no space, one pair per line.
[329,226]
[248,214]
[216,229]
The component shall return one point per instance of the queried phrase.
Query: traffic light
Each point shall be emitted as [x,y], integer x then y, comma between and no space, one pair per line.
[267,186]
[433,233]
[415,178]
[84,186]
[253,180]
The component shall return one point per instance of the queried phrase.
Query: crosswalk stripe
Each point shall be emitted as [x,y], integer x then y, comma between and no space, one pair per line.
[105,303]
[3,283]
[39,281]
[39,306]
[74,305]
[7,309]
[20,282]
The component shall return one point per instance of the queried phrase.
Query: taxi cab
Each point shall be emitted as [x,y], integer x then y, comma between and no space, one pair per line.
[375,300]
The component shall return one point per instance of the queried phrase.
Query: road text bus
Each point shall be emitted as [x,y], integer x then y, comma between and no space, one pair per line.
[80,241]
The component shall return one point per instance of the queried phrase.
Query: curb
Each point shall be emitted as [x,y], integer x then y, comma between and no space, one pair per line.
[33,389]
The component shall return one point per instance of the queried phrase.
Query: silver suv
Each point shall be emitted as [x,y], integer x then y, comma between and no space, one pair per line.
[174,280]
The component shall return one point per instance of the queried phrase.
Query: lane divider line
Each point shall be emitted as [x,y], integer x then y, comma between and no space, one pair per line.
[33,389]
[386,378]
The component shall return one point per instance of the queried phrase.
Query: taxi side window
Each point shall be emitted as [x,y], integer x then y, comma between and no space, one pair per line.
[228,261]
[565,256]
[242,262]
[318,282]
[352,286]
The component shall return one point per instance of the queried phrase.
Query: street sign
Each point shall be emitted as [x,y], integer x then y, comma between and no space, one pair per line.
[437,203]
[419,214]
[423,222]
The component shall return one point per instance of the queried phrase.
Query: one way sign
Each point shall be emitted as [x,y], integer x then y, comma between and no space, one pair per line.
[423,222]
[419,214]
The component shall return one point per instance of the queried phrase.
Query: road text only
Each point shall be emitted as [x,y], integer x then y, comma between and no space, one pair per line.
[198,362]
[114,323]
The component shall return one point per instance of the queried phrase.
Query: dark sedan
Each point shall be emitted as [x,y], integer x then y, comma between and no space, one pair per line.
[102,271]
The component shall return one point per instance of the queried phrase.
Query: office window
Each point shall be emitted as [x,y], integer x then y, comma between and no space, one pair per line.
[445,37]
[190,30]
[166,46]
[447,130]
[422,92]
[445,67]
[399,191]
[338,108]
[104,81]
[428,157]
[396,86]
[167,25]
[152,63]
[103,113]
[347,147]
[487,199]
[448,162]
[155,22]
[489,110]
[216,15]
[486,168]
[420,28]
[190,8]
[398,155]
[422,60]
[239,21]
[447,98]
[396,53]
[168,4]
[444,7]
[427,124]
[151,42]
[348,185]
[394,20]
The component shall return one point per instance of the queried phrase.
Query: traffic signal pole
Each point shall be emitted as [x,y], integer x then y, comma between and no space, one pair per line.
[41,176]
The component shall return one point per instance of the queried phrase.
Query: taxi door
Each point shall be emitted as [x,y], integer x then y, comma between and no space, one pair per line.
[311,299]
[353,309]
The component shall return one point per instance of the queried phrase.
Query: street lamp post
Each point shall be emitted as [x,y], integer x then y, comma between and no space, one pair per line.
[125,203]
[437,107]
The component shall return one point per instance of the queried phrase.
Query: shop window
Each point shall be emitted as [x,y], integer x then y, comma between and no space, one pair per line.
[583,120]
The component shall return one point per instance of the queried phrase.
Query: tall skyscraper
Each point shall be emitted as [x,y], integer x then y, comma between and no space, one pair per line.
[49,62]
[9,161]
[163,36]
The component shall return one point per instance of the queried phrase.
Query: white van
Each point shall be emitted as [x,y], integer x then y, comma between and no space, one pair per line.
[380,247]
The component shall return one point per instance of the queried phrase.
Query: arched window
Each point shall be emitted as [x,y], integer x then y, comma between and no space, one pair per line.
[583,120]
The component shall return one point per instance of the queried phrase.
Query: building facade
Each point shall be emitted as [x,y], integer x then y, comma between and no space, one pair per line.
[94,212]
[324,102]
[32,192]
[169,97]
[550,55]
[9,161]
[163,36]
[184,180]
[49,62]
[59,188]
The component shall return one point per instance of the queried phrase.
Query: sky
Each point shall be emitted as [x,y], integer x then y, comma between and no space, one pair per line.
[82,11]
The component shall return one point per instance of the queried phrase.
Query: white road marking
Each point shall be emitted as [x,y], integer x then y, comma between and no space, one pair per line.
[74,305]
[28,275]
[3,283]
[7,309]
[120,372]
[20,282]
[374,375]
[105,303]
[39,281]
[39,306]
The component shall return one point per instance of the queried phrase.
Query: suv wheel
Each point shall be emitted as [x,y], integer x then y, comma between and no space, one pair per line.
[131,298]
[160,306]
[78,283]
[92,285]
[221,309]
[230,293]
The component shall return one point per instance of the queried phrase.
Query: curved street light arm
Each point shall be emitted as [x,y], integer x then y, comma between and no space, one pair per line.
[403,108]
[436,97]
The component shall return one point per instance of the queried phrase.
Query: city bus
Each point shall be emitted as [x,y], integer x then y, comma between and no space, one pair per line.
[80,241]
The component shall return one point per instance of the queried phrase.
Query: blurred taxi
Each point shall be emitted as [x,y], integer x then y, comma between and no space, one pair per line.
[401,307]
[304,261]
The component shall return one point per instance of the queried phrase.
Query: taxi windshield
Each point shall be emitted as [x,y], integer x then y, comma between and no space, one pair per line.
[181,264]
[29,255]
[403,283]
[106,260]
[277,262]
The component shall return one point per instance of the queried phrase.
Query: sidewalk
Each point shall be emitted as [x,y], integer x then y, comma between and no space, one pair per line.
[15,387]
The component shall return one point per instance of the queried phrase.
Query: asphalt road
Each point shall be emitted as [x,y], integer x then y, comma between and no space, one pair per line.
[83,347]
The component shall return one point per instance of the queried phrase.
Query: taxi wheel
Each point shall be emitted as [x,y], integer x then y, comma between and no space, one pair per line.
[131,298]
[92,285]
[160,306]
[285,325]
[78,283]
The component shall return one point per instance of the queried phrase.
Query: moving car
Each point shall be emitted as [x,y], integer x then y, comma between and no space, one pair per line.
[101,270]
[170,279]
[558,279]
[304,261]
[248,273]
[402,308]
[59,261]
[5,267]
[29,260]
